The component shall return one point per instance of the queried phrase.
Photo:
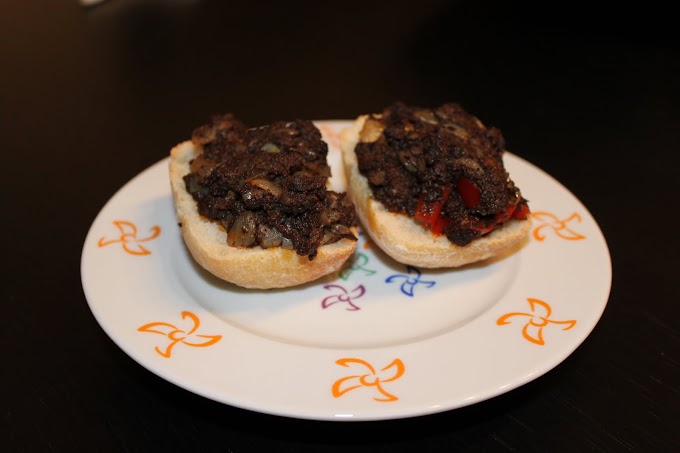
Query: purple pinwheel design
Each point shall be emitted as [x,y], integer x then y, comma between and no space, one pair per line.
[343,296]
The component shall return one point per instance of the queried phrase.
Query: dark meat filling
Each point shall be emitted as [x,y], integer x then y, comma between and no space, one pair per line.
[442,167]
[267,185]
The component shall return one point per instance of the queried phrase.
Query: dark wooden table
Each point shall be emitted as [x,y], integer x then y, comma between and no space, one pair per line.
[90,97]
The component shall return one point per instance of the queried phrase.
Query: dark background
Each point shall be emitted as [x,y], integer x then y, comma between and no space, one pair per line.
[90,97]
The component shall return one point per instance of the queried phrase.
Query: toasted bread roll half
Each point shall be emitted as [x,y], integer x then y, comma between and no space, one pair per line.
[403,238]
[249,267]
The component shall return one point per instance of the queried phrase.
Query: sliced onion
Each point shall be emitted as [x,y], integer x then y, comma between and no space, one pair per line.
[467,163]
[342,231]
[328,216]
[201,166]
[271,148]
[268,236]
[267,185]
[458,130]
[242,231]
[329,237]
[194,187]
[371,131]
[427,116]
[227,221]
[287,243]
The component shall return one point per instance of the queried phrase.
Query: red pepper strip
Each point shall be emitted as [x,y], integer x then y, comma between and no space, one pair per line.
[522,212]
[439,225]
[429,212]
[468,191]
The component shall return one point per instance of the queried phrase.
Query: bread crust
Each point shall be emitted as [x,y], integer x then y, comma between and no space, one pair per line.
[253,267]
[404,239]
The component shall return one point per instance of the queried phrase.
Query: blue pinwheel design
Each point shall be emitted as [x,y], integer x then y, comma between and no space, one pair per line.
[411,280]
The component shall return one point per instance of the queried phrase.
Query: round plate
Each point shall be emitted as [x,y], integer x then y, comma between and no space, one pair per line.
[377,340]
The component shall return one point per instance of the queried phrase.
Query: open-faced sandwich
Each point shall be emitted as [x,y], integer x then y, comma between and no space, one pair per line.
[253,203]
[430,186]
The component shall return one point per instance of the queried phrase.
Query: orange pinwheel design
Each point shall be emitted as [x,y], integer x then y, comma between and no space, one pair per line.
[547,220]
[177,335]
[128,238]
[539,318]
[368,377]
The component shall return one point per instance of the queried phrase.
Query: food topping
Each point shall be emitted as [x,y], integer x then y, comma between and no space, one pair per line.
[440,166]
[266,186]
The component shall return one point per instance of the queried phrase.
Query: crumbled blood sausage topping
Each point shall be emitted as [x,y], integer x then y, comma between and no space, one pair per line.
[267,185]
[442,167]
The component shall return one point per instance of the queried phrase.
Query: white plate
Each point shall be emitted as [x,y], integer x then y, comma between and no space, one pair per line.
[377,341]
